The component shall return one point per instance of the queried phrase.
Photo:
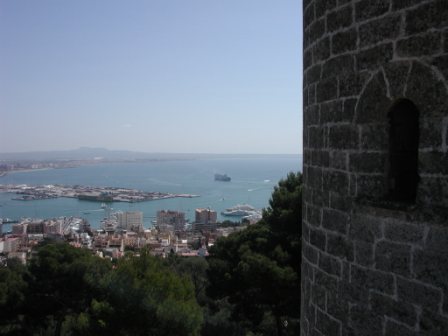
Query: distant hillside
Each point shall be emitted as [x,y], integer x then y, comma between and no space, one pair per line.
[88,153]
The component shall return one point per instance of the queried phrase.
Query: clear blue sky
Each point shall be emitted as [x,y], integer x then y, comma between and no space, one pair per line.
[192,76]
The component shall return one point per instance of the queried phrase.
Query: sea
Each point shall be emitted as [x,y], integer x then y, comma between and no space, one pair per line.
[252,181]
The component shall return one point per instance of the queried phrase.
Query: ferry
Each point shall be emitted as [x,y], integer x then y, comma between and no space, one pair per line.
[224,177]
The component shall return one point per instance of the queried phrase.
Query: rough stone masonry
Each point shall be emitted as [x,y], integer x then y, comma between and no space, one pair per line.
[375,226]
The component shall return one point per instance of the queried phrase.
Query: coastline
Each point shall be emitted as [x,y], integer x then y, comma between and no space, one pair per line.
[23,171]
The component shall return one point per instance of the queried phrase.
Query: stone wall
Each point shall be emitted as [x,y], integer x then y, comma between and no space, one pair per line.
[372,266]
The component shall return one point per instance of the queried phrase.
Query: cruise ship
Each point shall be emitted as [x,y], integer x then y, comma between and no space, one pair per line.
[220,177]
[239,210]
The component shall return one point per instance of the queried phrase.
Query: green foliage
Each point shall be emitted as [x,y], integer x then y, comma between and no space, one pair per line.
[257,270]
[68,291]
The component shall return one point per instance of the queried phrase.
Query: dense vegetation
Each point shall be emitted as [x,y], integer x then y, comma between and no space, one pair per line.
[250,285]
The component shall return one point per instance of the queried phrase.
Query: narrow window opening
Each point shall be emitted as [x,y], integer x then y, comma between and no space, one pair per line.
[403,151]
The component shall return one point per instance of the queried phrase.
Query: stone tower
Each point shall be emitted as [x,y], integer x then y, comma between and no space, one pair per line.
[375,225]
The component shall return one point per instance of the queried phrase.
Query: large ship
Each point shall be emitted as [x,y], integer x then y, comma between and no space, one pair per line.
[239,210]
[222,177]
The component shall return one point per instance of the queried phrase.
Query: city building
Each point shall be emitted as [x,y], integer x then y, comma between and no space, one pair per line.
[167,218]
[130,220]
[205,219]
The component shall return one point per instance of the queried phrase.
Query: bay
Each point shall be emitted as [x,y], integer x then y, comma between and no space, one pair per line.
[253,180]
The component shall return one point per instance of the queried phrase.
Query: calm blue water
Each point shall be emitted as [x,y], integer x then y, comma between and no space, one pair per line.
[253,180]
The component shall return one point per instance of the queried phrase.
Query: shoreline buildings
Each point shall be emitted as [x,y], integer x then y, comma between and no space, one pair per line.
[205,219]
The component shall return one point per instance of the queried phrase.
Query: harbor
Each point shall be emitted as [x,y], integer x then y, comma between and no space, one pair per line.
[87,193]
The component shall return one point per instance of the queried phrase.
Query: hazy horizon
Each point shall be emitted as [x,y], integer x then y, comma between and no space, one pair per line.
[143,152]
[151,76]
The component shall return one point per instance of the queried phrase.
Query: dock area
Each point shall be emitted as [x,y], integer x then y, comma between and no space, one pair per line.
[88,193]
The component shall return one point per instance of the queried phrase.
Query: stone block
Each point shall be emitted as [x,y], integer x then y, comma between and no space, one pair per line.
[335,181]
[400,4]
[367,162]
[398,310]
[314,178]
[321,198]
[441,62]
[365,228]
[334,220]
[374,137]
[430,15]
[343,137]
[364,253]
[307,270]
[310,253]
[375,31]
[372,279]
[322,6]
[341,18]
[316,136]
[329,282]
[403,232]
[320,158]
[341,203]
[374,57]
[326,90]
[337,306]
[321,50]
[331,111]
[308,15]
[307,40]
[397,74]
[445,42]
[370,186]
[433,191]
[313,215]
[431,133]
[419,294]
[317,238]
[437,240]
[425,86]
[431,267]
[330,264]
[348,110]
[318,296]
[433,163]
[327,325]
[313,74]
[365,322]
[338,160]
[351,84]
[373,104]
[312,94]
[311,115]
[344,41]
[395,329]
[340,247]
[305,229]
[307,59]
[317,29]
[393,257]
[305,97]
[338,65]
[367,9]
[420,45]
[433,324]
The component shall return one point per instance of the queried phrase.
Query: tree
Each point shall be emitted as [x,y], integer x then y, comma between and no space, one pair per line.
[69,291]
[258,269]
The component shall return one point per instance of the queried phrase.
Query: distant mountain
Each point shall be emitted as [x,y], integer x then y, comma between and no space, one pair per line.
[89,153]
